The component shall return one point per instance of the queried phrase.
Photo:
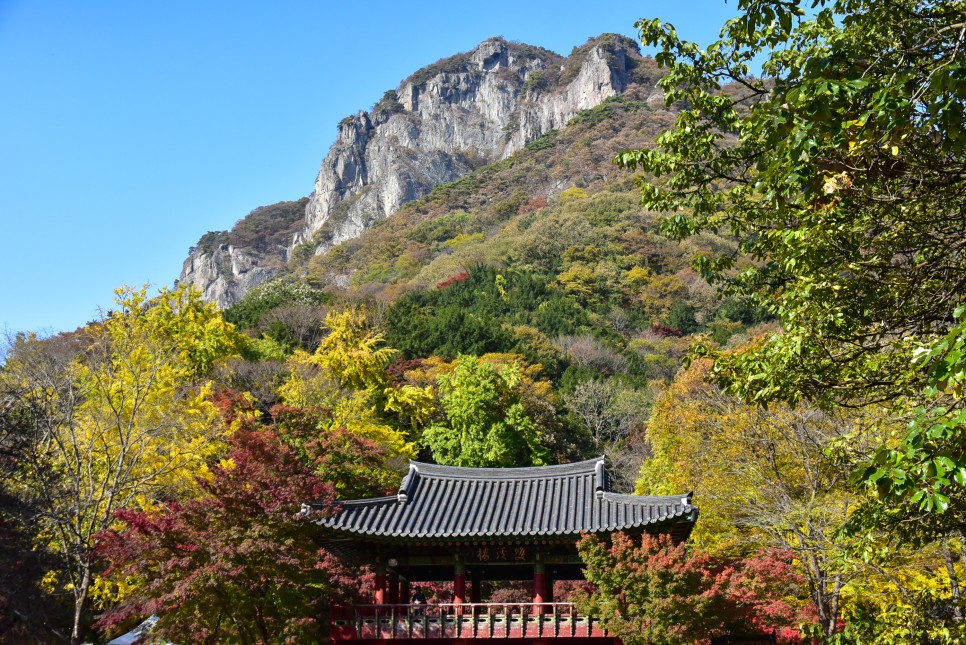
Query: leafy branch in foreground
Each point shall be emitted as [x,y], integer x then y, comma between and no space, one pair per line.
[843,175]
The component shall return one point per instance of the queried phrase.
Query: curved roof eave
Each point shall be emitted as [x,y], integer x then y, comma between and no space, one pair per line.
[450,503]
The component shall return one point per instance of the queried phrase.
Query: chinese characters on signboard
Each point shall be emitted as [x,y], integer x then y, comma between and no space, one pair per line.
[500,553]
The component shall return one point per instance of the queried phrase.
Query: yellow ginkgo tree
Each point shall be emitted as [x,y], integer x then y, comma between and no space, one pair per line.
[118,418]
[347,375]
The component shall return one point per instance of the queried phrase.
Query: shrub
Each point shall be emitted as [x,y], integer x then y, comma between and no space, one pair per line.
[248,311]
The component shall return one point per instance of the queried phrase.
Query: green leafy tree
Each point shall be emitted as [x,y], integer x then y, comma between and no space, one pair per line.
[470,313]
[842,172]
[487,424]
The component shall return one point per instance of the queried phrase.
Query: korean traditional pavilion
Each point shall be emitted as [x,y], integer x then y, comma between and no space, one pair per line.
[469,525]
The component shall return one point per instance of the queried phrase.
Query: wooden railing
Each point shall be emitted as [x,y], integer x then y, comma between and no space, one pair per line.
[466,620]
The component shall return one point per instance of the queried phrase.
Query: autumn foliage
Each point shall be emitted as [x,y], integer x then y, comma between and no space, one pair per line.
[355,466]
[235,565]
[657,592]
[825,197]
[459,277]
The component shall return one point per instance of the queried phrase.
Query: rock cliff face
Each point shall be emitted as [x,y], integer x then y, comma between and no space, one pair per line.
[225,265]
[477,109]
[226,273]
[438,125]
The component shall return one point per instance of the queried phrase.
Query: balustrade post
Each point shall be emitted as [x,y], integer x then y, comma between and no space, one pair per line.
[506,621]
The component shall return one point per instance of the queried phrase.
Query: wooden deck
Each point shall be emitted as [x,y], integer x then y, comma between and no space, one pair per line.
[466,621]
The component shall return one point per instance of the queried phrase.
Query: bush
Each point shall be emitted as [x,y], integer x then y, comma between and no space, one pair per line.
[247,312]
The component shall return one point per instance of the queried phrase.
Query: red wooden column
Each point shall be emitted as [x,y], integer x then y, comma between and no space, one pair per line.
[459,583]
[539,584]
[404,590]
[392,595]
[380,598]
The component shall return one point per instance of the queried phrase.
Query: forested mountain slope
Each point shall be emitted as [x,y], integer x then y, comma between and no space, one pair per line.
[544,259]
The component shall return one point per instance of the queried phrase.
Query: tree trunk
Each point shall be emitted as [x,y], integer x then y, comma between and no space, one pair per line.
[80,604]
[262,627]
[833,611]
[824,595]
[953,581]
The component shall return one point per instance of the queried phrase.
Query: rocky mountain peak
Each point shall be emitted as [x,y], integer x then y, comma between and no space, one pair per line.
[439,124]
[450,117]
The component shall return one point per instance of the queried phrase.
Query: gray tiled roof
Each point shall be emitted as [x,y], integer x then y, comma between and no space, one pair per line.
[449,503]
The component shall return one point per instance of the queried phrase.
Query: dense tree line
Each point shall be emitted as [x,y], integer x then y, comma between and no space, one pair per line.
[786,340]
[145,475]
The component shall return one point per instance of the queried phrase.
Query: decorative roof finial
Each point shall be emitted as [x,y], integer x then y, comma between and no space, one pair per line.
[402,496]
[600,478]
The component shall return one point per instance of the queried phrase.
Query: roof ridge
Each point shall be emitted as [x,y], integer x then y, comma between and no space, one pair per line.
[447,502]
[684,498]
[368,501]
[587,467]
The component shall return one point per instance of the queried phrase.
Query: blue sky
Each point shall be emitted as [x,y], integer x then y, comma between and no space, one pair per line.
[128,129]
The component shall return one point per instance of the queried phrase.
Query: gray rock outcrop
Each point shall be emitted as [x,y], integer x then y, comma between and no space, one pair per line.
[226,273]
[440,128]
[225,265]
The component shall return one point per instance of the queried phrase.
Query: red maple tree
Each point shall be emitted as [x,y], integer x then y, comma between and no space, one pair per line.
[657,592]
[235,565]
